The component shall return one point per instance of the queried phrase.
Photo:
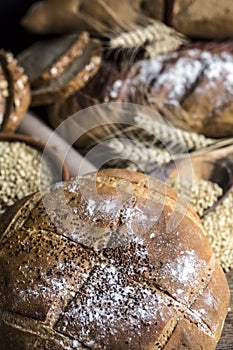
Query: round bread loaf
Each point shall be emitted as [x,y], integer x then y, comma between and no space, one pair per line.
[93,263]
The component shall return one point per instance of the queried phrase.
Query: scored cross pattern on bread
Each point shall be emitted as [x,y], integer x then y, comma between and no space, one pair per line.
[91,264]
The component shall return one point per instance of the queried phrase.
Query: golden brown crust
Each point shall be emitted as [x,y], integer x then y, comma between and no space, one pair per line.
[4,93]
[45,96]
[62,63]
[188,337]
[109,271]
[74,15]
[19,93]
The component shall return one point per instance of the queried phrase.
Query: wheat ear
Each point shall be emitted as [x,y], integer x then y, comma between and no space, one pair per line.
[157,31]
[138,153]
[165,132]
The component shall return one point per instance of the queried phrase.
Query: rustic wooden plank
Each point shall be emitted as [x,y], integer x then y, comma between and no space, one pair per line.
[226,341]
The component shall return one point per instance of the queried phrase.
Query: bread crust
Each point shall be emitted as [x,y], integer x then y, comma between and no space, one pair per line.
[96,267]
[57,60]
[192,87]
[214,21]
[56,91]
[18,97]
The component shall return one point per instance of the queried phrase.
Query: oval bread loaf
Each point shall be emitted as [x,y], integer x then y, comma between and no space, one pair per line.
[192,85]
[93,263]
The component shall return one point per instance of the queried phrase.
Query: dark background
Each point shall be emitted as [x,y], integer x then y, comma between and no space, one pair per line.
[12,36]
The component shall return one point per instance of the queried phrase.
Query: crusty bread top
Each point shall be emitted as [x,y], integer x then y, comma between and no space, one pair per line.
[97,265]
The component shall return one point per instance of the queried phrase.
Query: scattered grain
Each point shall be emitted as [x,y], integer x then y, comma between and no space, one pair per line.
[21,172]
[201,194]
[218,227]
[217,224]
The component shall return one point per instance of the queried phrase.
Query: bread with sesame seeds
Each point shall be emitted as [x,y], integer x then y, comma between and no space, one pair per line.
[47,59]
[63,70]
[98,262]
[15,93]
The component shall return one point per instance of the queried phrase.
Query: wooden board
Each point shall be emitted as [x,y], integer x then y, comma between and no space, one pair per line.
[226,341]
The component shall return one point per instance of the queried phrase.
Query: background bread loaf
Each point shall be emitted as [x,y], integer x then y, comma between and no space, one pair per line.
[194,84]
[209,19]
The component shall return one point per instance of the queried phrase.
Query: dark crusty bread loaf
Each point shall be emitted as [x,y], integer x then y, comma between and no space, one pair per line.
[209,19]
[15,94]
[93,263]
[59,16]
[47,59]
[193,85]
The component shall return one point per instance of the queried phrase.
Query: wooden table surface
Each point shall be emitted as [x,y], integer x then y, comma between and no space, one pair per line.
[226,341]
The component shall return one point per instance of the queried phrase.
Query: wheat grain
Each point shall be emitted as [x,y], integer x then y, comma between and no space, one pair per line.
[201,194]
[162,131]
[217,224]
[21,173]
[218,228]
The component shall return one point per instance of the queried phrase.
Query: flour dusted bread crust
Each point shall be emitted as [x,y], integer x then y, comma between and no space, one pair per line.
[93,264]
[193,85]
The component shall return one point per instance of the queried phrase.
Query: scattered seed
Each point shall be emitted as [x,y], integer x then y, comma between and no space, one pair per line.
[217,224]
[22,171]
[218,227]
[201,194]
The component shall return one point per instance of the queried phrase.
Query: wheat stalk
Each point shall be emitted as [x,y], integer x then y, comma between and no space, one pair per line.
[138,153]
[166,143]
[155,32]
[164,132]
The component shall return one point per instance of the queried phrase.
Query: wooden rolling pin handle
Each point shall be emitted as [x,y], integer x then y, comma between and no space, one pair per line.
[34,126]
